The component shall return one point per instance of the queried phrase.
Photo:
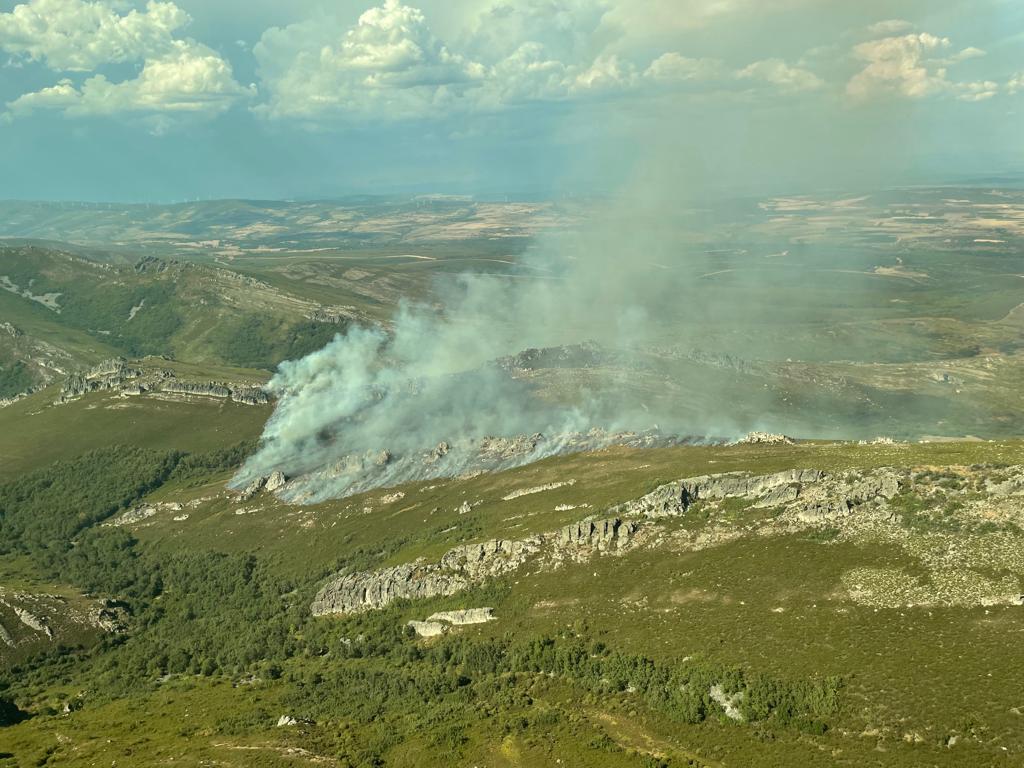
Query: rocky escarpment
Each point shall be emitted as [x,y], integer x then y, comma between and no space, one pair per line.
[245,394]
[469,564]
[802,497]
[203,389]
[674,498]
[115,374]
[119,376]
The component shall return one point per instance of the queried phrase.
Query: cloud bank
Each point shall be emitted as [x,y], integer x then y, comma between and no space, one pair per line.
[389,64]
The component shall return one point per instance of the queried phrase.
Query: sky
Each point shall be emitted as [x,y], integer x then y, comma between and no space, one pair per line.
[172,100]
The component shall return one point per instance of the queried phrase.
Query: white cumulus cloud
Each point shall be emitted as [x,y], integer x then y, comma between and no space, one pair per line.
[390,61]
[784,76]
[177,76]
[391,65]
[189,79]
[75,35]
[889,27]
[914,66]
[674,67]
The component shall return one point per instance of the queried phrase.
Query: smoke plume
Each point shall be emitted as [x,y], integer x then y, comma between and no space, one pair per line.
[378,407]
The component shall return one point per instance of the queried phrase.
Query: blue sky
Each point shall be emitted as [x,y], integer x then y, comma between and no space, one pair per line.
[185,99]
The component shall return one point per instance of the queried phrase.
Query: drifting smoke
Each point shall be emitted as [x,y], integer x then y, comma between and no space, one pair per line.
[375,408]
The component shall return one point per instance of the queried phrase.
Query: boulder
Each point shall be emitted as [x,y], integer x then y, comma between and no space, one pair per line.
[463,617]
[428,628]
[275,481]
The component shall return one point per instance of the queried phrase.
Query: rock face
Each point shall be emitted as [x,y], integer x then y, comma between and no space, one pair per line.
[765,438]
[836,502]
[249,396]
[466,565]
[275,481]
[367,590]
[207,389]
[809,496]
[602,535]
[676,497]
[117,375]
[428,628]
[951,509]
[439,623]
[113,374]
[464,616]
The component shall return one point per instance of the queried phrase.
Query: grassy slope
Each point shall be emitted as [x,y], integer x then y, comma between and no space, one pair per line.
[301,539]
[33,433]
[923,674]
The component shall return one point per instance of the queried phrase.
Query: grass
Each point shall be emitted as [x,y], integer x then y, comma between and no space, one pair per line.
[426,521]
[33,434]
[912,678]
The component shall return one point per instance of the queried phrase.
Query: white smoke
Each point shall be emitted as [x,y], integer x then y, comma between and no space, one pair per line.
[365,410]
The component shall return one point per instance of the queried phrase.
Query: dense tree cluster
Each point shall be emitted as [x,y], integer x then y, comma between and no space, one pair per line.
[15,379]
[42,512]
[259,341]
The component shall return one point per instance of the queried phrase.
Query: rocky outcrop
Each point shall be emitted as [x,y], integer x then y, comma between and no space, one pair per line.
[207,389]
[464,616]
[468,564]
[275,481]
[764,438]
[270,483]
[440,622]
[804,497]
[367,590]
[838,499]
[33,622]
[249,395]
[337,315]
[110,375]
[428,628]
[536,489]
[602,535]
[117,375]
[846,504]
[767,490]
